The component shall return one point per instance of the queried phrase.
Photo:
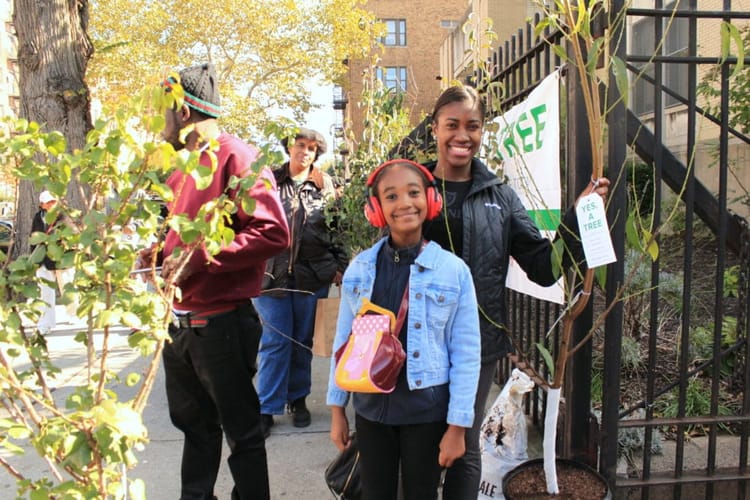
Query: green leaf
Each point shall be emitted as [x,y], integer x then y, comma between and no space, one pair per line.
[558,252]
[593,55]
[248,205]
[81,338]
[540,26]
[203,176]
[79,452]
[547,356]
[631,232]
[55,143]
[113,145]
[131,320]
[559,51]
[132,379]
[39,494]
[157,123]
[621,78]
[227,236]
[600,273]
[652,247]
[19,432]
[730,33]
[137,489]
[13,448]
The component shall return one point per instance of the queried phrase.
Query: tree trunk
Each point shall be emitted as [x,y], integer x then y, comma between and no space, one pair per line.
[53,53]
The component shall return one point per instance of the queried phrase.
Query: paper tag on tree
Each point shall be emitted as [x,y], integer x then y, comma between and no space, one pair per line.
[592,224]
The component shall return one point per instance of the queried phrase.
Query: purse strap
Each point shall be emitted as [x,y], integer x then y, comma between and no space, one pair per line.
[402,310]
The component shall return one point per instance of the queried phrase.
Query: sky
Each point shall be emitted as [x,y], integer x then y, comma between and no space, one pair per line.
[324,118]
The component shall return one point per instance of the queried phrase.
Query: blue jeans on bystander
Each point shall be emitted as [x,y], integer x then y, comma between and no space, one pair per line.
[285,355]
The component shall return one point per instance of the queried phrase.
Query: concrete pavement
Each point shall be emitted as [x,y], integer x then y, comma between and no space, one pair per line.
[296,457]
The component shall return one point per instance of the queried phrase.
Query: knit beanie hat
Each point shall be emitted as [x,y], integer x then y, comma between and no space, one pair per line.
[201,88]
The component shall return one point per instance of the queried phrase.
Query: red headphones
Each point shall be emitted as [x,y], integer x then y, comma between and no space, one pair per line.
[373,210]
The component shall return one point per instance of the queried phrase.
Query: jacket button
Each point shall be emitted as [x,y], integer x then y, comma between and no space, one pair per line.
[421,269]
[418,382]
[418,296]
[417,325]
[416,354]
[441,299]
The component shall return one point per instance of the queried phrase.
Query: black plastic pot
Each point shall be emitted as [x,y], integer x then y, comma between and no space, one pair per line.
[562,463]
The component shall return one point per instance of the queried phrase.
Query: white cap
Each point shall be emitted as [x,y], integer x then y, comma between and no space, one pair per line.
[45,197]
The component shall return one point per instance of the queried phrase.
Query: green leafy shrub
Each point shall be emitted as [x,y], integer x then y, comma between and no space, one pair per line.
[697,403]
[90,437]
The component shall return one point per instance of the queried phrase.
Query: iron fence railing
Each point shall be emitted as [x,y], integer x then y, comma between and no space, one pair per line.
[674,377]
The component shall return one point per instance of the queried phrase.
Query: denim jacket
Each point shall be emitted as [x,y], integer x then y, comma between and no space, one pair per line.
[442,300]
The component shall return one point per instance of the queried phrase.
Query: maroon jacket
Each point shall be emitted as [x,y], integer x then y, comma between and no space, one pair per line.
[234,275]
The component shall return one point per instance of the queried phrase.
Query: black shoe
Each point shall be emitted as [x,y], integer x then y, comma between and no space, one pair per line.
[300,414]
[266,422]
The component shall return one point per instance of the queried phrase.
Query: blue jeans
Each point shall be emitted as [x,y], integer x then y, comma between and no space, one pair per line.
[283,364]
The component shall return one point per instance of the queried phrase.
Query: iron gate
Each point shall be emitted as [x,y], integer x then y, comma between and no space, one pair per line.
[679,341]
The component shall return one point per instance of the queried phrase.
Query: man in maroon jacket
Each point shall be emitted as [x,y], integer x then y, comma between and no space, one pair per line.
[210,361]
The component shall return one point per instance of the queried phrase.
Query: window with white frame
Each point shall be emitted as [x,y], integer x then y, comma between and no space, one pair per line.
[395,33]
[393,77]
[674,75]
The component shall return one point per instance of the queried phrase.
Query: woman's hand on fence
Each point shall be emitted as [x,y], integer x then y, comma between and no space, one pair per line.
[599,186]
[452,446]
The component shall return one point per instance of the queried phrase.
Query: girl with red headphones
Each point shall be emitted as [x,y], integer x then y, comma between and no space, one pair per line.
[417,429]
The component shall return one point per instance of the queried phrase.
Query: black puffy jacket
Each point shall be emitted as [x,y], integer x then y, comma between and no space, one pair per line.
[496,226]
[314,254]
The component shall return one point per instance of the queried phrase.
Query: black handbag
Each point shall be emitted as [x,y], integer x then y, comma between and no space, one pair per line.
[342,474]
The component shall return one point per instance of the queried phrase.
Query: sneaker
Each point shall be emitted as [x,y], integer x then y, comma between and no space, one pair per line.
[266,422]
[300,414]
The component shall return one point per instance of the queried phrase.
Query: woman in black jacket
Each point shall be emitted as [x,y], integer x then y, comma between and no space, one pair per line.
[486,225]
[294,280]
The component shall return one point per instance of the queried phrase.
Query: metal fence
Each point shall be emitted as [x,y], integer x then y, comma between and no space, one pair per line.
[657,401]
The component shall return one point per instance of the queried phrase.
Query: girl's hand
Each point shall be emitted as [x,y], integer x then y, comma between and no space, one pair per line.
[339,427]
[452,446]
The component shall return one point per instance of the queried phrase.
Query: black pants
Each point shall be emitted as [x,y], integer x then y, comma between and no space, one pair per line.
[209,374]
[463,477]
[384,447]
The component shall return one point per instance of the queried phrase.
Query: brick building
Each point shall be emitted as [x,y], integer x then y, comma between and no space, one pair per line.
[503,17]
[409,58]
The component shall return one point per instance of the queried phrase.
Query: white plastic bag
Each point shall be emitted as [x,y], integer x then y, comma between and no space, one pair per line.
[503,437]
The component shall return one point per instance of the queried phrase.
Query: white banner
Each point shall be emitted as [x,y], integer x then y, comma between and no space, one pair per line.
[528,143]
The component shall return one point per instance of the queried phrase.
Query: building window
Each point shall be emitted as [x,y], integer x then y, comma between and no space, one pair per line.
[395,33]
[674,75]
[393,77]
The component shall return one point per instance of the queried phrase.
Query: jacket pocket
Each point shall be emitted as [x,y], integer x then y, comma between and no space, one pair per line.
[440,304]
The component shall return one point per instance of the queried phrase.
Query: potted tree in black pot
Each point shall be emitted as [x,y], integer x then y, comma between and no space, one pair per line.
[587,43]
[597,67]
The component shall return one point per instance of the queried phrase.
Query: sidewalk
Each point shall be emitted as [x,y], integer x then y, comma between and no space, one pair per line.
[297,457]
